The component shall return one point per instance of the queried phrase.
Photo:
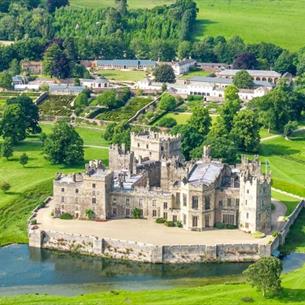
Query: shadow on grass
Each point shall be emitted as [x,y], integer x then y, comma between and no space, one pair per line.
[269,149]
[12,193]
[200,26]
[289,295]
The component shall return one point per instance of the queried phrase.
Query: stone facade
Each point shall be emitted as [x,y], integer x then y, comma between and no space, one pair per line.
[154,180]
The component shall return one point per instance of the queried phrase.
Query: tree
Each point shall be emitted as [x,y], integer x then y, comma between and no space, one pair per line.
[167,102]
[5,186]
[55,62]
[231,94]
[167,122]
[245,61]
[24,159]
[109,99]
[30,112]
[221,143]
[190,139]
[5,80]
[184,49]
[301,62]
[14,68]
[245,131]
[285,63]
[243,80]
[52,5]
[201,120]
[164,74]
[289,128]
[64,145]
[13,125]
[265,275]
[109,131]
[7,148]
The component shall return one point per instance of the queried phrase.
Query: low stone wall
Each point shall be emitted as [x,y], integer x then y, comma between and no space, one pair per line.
[143,252]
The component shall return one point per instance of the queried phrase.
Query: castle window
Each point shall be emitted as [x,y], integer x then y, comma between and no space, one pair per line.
[195,202]
[247,191]
[147,146]
[184,200]
[207,201]
[62,189]
[237,202]
[174,218]
[154,203]
[114,201]
[220,203]
[165,216]
[154,213]
[165,205]
[127,201]
[62,199]
[229,202]
[127,212]
[93,185]
[184,219]
[178,199]
[138,144]
[76,191]
[93,200]
[114,212]
[247,215]
[162,148]
[195,221]
[228,219]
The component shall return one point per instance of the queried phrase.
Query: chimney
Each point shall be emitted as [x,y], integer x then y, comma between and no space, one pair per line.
[206,153]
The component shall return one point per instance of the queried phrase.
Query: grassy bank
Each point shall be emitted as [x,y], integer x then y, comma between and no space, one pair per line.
[123,75]
[288,201]
[277,21]
[287,162]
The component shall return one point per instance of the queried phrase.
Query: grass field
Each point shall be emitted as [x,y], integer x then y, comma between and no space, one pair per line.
[289,201]
[29,185]
[117,75]
[195,73]
[287,161]
[277,21]
[180,117]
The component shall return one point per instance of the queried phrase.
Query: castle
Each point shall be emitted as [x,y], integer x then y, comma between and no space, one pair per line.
[154,179]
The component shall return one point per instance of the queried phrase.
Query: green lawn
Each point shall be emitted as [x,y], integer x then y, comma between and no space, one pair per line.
[289,201]
[131,76]
[29,185]
[287,161]
[277,21]
[195,73]
[180,117]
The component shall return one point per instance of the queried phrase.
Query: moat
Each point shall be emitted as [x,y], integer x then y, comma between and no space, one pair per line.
[27,270]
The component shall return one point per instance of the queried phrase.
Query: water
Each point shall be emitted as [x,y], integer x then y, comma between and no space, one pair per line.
[27,270]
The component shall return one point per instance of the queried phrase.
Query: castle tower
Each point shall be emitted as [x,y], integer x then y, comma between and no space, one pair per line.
[255,198]
[120,158]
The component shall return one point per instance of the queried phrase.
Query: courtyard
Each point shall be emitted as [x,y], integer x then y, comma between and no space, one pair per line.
[145,231]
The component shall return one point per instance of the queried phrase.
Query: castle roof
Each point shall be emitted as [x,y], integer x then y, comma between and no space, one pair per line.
[205,173]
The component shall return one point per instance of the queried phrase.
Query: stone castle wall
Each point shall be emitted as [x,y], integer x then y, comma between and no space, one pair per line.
[143,252]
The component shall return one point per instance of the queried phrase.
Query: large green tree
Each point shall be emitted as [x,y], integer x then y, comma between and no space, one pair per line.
[265,275]
[245,131]
[167,102]
[201,120]
[164,74]
[56,62]
[64,145]
[243,80]
[7,148]
[6,80]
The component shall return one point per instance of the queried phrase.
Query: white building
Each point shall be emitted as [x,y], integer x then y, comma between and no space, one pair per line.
[183,66]
[94,84]
[257,75]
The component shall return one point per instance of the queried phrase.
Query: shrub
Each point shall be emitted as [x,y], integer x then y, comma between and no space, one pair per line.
[66,216]
[275,234]
[169,223]
[179,224]
[34,222]
[230,227]
[219,225]
[167,122]
[136,213]
[247,300]
[160,220]
[5,186]
[90,214]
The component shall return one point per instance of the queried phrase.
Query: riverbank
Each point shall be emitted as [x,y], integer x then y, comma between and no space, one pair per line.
[228,294]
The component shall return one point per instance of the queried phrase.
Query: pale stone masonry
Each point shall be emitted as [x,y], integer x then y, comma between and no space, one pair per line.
[154,178]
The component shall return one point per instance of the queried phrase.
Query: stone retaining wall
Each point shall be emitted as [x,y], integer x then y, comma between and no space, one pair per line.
[144,252]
